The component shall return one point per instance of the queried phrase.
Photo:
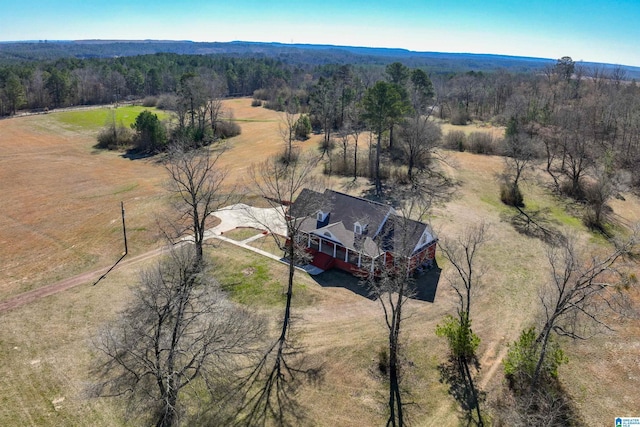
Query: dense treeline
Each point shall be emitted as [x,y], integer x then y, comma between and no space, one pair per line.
[584,121]
[70,81]
[582,125]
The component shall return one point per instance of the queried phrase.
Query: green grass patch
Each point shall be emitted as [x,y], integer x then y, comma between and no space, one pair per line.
[254,280]
[250,283]
[126,188]
[495,202]
[241,233]
[562,216]
[557,213]
[251,120]
[95,119]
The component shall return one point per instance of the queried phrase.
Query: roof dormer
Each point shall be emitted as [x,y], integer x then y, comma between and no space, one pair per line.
[321,216]
[359,228]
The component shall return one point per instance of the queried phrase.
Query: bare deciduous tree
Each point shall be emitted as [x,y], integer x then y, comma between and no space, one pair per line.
[393,288]
[518,149]
[465,280]
[462,253]
[420,138]
[581,289]
[287,129]
[196,185]
[323,105]
[178,332]
[269,388]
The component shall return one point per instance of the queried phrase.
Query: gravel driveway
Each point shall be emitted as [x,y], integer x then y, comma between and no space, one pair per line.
[241,215]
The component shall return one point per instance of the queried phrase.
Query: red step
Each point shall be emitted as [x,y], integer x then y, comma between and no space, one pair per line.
[323,261]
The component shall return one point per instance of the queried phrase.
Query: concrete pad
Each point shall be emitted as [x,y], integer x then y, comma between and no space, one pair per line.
[241,215]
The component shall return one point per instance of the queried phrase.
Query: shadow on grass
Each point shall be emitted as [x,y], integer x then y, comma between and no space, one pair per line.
[137,155]
[451,373]
[426,284]
[341,279]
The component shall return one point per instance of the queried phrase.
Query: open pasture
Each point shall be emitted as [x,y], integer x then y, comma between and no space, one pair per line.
[61,216]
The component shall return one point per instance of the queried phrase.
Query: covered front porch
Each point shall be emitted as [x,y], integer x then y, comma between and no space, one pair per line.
[329,253]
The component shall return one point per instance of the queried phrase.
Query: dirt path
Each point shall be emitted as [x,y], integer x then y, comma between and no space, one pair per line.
[229,219]
[493,362]
[63,285]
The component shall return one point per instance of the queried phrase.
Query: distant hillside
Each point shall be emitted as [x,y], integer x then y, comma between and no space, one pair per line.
[13,52]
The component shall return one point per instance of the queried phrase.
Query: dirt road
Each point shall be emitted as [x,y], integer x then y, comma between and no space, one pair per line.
[63,285]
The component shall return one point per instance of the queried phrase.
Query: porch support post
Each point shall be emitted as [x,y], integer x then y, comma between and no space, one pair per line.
[346,254]
[335,247]
[359,259]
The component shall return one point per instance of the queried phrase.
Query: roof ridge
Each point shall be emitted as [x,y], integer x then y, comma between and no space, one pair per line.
[359,198]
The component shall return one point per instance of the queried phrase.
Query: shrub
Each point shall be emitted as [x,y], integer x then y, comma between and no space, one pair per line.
[338,167]
[289,159]
[459,117]
[261,94]
[463,342]
[150,101]
[511,195]
[227,129]
[481,143]
[114,137]
[523,356]
[316,124]
[327,146]
[303,127]
[273,105]
[400,175]
[456,140]
[255,102]
[167,102]
[567,188]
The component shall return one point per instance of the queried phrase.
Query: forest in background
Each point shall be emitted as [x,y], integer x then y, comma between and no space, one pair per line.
[580,124]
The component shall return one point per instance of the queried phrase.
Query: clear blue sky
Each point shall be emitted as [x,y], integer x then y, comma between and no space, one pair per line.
[589,30]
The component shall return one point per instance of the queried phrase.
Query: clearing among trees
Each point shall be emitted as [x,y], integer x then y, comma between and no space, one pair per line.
[61,217]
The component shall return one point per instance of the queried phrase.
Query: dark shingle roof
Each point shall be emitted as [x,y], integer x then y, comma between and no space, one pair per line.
[385,229]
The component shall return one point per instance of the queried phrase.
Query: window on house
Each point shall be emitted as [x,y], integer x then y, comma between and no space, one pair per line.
[320,216]
[359,228]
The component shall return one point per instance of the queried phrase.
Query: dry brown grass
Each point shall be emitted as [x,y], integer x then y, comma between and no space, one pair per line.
[496,131]
[61,213]
[61,198]
[61,217]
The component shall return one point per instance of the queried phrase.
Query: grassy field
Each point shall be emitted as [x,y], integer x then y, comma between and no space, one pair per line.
[267,244]
[92,119]
[61,211]
[241,233]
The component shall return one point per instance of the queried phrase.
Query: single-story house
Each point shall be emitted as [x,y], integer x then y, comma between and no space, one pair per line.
[359,235]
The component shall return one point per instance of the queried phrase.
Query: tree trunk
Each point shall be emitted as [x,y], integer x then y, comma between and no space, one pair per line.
[168,415]
[410,168]
[355,160]
[378,183]
[287,309]
[472,387]
[544,340]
